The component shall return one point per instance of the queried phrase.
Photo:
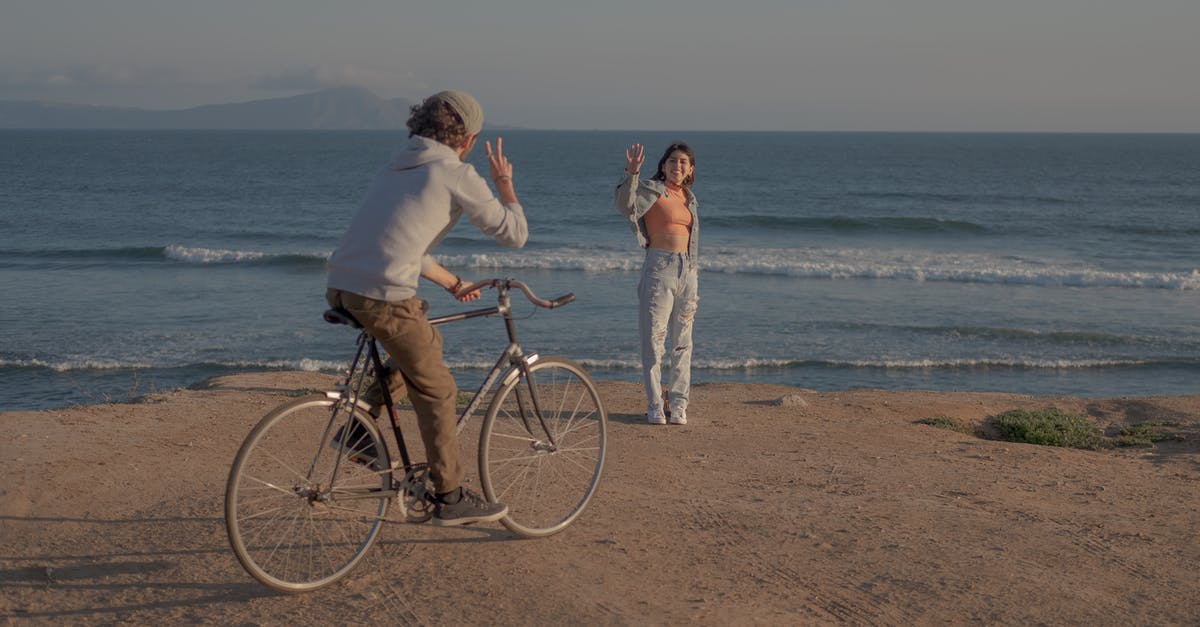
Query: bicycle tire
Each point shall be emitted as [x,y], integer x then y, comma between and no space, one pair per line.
[292,522]
[545,489]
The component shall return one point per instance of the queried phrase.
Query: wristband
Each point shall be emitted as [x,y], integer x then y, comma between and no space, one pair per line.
[458,284]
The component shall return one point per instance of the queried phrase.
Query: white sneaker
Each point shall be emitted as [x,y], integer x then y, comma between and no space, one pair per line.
[678,416]
[656,417]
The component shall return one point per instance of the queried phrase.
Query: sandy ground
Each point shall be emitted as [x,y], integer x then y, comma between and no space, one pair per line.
[827,508]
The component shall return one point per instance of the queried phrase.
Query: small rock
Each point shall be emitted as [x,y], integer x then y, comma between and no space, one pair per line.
[791,400]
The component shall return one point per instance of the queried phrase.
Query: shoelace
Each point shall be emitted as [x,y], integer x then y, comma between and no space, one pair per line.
[474,499]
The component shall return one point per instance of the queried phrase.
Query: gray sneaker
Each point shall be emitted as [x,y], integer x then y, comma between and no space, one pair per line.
[468,509]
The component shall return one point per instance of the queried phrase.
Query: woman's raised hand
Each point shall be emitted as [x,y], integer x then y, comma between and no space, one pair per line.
[634,156]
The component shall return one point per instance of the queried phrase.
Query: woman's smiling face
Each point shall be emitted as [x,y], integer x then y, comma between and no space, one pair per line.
[678,167]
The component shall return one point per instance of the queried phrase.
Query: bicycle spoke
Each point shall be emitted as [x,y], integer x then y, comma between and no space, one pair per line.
[267,484]
[261,514]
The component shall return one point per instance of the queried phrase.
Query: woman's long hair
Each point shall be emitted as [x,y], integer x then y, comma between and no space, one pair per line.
[685,149]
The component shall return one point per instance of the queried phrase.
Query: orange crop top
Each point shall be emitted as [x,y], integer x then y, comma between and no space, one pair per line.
[669,215]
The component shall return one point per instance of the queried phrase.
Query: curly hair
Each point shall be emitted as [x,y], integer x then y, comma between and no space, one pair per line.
[436,120]
[685,149]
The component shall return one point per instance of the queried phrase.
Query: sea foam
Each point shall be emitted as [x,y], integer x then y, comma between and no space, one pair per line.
[800,263]
[850,264]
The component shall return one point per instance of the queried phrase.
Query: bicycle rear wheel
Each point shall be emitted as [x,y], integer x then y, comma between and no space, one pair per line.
[300,514]
[546,476]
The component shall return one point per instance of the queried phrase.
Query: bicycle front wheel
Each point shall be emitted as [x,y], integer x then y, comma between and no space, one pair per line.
[301,510]
[545,470]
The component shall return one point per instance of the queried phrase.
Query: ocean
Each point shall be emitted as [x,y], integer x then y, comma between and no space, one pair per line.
[137,262]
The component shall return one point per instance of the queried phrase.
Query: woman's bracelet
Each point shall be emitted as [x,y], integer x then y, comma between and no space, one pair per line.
[458,284]
[503,177]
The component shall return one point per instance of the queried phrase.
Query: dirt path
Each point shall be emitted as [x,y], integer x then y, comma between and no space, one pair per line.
[831,508]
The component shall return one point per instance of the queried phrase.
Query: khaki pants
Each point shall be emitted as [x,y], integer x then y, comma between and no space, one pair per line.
[415,348]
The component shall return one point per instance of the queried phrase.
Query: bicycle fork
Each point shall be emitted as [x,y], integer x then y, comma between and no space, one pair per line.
[532,406]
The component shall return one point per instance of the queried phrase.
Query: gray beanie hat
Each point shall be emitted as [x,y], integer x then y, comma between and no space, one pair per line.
[465,106]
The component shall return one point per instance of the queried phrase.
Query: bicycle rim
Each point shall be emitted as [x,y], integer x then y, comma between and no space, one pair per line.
[298,517]
[545,487]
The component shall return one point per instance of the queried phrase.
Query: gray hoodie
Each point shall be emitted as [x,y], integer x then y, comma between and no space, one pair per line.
[410,207]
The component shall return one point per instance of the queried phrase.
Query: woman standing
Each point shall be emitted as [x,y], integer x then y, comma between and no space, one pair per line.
[662,212]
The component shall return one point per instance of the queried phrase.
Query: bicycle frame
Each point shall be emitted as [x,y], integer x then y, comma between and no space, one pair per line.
[512,363]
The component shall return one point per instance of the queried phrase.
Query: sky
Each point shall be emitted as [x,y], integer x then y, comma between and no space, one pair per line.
[761,65]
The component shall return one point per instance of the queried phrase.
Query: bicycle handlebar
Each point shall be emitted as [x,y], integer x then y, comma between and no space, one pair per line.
[562,300]
[511,283]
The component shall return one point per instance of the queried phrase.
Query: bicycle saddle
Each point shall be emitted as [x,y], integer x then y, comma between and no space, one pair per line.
[338,315]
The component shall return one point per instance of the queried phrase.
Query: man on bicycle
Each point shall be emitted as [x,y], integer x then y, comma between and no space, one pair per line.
[409,208]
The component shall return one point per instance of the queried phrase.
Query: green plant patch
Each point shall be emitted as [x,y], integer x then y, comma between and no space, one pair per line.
[1049,427]
[1141,434]
[945,422]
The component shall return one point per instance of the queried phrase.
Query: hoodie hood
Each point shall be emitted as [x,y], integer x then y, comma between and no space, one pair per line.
[421,150]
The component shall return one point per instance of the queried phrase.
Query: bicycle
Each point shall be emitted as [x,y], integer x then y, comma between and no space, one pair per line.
[303,504]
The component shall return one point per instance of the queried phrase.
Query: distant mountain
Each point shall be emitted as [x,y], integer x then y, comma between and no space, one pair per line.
[339,108]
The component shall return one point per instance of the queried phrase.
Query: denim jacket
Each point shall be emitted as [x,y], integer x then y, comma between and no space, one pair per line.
[633,199]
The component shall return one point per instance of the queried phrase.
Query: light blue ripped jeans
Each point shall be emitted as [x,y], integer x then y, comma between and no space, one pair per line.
[667,295]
